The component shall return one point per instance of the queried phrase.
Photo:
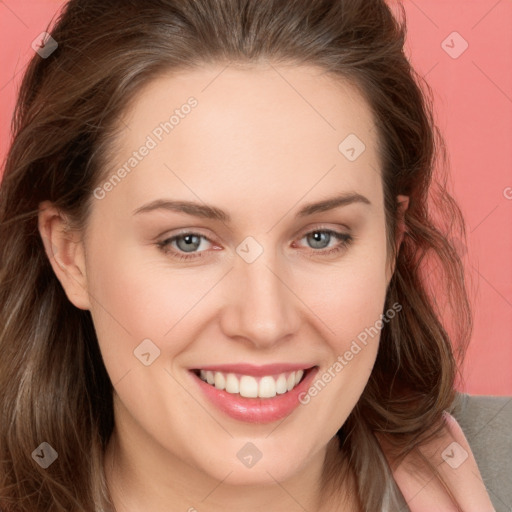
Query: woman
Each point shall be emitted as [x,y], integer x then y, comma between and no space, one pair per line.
[219,210]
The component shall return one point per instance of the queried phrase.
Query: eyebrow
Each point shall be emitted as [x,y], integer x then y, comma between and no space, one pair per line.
[212,212]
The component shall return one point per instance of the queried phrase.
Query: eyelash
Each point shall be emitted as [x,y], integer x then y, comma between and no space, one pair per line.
[345,241]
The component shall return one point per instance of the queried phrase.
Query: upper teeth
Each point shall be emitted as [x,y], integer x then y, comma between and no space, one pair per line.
[249,386]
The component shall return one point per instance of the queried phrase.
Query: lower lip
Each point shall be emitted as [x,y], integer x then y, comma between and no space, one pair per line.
[256,410]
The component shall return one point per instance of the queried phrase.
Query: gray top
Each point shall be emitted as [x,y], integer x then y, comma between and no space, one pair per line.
[487,424]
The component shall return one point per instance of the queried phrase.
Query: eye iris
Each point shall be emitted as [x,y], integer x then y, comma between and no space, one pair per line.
[192,242]
[317,236]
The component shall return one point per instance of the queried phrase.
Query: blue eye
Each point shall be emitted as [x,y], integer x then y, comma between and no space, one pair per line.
[343,239]
[193,241]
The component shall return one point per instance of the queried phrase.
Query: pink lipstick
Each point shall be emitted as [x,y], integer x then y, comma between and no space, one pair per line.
[255,394]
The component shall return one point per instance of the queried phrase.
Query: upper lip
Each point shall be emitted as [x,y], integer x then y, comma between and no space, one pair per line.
[256,371]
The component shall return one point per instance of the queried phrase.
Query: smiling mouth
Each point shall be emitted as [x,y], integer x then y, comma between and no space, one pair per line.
[249,386]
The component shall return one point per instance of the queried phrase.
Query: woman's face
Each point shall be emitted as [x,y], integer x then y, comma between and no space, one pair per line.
[267,290]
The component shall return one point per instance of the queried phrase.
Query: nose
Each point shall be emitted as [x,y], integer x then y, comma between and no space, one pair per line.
[262,308]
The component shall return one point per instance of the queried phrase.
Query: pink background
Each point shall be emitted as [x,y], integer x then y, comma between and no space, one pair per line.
[473,94]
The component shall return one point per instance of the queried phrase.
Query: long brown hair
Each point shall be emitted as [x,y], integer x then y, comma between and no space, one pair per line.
[53,385]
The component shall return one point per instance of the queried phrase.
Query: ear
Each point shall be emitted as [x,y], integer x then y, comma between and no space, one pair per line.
[65,251]
[403,204]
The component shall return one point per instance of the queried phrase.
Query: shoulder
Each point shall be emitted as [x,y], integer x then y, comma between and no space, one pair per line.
[487,424]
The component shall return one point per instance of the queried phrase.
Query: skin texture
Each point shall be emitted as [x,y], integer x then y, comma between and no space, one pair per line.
[260,144]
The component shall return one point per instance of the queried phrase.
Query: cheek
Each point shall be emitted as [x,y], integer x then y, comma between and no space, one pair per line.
[132,301]
[353,309]
[351,312]
[347,297]
[139,295]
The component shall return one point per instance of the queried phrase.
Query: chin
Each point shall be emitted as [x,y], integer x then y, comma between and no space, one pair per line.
[250,466]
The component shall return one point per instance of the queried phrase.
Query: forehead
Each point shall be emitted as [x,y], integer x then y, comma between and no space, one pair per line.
[266,133]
